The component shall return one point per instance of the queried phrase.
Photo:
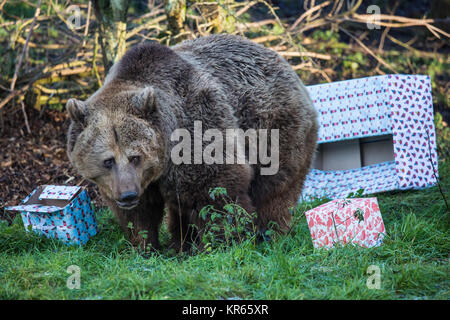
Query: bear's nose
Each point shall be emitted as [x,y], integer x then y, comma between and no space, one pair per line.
[128,196]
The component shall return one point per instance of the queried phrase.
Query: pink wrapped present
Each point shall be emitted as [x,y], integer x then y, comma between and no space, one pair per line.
[356,221]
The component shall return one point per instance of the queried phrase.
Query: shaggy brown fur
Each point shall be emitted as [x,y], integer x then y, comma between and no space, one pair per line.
[223,81]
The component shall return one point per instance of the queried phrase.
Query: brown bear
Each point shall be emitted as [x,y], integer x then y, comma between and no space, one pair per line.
[122,137]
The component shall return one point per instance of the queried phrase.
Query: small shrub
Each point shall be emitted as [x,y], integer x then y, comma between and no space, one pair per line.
[228,225]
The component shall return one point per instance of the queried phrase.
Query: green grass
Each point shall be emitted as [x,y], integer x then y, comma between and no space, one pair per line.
[413,262]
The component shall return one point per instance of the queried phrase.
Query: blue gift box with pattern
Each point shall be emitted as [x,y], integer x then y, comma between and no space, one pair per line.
[60,212]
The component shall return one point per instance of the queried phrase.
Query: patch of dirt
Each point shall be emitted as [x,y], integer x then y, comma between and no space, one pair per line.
[30,160]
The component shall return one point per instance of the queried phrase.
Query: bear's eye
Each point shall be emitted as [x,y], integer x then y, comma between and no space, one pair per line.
[108,163]
[135,160]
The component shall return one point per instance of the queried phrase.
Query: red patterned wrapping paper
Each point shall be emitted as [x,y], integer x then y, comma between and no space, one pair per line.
[343,221]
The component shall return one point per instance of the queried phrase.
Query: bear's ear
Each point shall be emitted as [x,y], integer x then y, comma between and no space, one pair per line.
[77,110]
[145,101]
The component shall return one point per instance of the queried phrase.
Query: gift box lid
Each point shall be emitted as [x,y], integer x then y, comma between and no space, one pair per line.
[47,199]
[59,192]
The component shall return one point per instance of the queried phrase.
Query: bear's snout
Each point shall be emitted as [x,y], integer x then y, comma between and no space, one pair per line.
[128,200]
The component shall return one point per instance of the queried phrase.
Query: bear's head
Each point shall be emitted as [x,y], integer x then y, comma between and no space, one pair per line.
[115,142]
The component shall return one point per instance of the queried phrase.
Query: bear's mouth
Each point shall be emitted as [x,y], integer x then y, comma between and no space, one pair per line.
[127,205]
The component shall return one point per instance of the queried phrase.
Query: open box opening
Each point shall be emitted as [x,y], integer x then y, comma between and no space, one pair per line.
[355,153]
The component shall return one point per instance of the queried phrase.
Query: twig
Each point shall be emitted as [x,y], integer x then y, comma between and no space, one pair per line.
[413,50]
[53,91]
[305,54]
[337,6]
[19,64]
[291,41]
[402,22]
[25,117]
[86,30]
[328,20]
[179,216]
[156,11]
[308,13]
[94,62]
[382,39]
[380,60]
[14,94]
[265,38]
[434,172]
[145,26]
[259,24]
[245,8]
[335,228]
[386,31]
[302,65]
[30,44]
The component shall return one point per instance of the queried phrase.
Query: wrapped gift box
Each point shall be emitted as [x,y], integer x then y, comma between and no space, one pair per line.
[60,212]
[343,221]
[376,134]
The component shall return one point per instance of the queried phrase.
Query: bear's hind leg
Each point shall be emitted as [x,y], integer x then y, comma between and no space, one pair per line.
[274,208]
[274,195]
